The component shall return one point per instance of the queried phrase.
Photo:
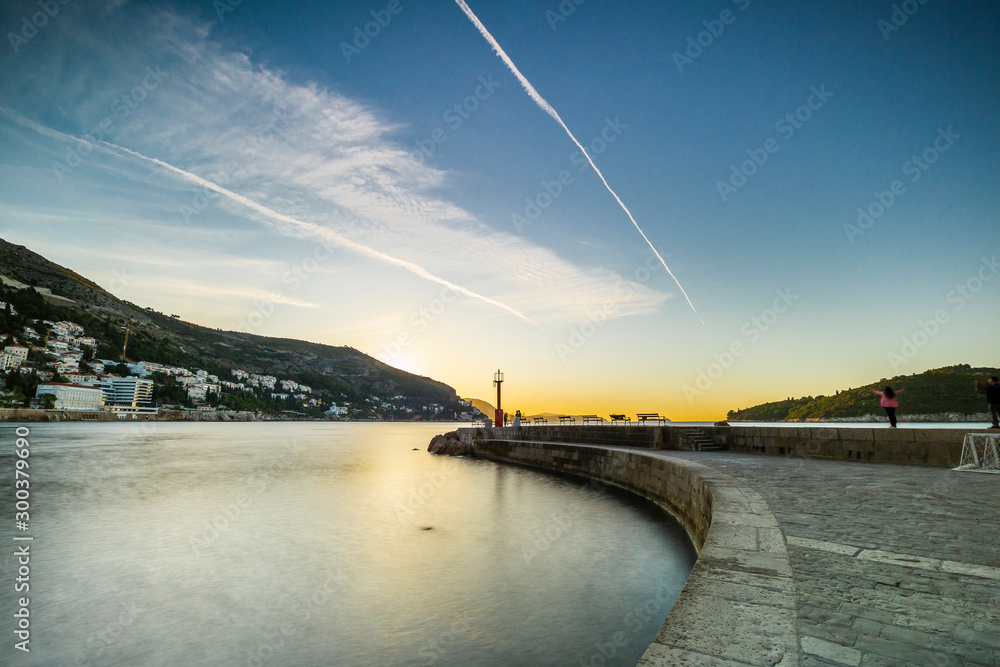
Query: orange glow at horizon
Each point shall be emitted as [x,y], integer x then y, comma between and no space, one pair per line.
[579,401]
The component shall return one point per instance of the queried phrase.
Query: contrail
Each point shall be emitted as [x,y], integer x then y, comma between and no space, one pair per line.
[310,227]
[547,108]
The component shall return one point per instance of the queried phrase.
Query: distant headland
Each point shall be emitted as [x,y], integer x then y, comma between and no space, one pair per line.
[949,394]
[74,351]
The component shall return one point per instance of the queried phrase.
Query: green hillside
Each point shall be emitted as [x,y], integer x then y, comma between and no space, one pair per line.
[335,373]
[950,389]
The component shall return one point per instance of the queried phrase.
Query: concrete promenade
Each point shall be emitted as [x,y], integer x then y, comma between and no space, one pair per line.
[812,561]
[892,564]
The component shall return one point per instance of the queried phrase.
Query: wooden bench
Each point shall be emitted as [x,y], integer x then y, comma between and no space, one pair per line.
[567,419]
[593,419]
[623,419]
[644,417]
[539,420]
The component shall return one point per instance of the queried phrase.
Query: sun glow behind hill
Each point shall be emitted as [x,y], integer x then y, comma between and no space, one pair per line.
[264,176]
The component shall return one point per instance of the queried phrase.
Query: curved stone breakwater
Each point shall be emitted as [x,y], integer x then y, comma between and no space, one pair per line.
[811,557]
[739,599]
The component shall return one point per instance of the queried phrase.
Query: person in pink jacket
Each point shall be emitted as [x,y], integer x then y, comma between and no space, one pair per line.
[889,402]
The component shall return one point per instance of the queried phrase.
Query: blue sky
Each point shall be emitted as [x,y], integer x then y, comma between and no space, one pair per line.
[246,169]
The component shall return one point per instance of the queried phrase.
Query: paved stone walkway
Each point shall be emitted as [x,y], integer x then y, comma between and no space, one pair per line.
[892,564]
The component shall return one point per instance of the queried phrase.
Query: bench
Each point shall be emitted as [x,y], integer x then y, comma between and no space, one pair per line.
[643,417]
[567,419]
[539,420]
[592,419]
[623,419]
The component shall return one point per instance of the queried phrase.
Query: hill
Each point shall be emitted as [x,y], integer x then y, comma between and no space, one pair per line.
[335,373]
[483,406]
[942,390]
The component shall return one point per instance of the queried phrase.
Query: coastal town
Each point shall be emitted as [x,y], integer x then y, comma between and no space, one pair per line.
[54,366]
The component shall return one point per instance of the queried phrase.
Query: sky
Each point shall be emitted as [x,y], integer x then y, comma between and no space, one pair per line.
[821,178]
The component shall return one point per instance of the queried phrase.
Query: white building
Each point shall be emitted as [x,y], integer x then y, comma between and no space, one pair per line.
[85,379]
[58,346]
[19,352]
[129,397]
[139,369]
[7,362]
[72,396]
[265,380]
[66,369]
[67,329]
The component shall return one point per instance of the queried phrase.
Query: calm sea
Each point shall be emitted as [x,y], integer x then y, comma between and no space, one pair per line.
[321,544]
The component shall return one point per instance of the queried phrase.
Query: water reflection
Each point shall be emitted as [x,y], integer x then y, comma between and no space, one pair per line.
[304,544]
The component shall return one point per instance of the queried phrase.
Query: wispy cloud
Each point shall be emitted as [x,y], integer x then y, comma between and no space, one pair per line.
[311,163]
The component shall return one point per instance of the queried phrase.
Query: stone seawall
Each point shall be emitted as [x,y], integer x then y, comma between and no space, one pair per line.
[38,415]
[739,601]
[923,446]
[654,437]
[674,487]
[909,444]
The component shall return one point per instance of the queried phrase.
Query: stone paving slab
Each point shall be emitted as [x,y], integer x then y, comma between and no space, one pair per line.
[892,564]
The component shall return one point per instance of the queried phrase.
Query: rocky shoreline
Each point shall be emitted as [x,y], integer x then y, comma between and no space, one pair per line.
[939,417]
[448,444]
[38,415]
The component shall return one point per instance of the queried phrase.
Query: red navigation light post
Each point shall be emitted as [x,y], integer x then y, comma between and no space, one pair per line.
[498,417]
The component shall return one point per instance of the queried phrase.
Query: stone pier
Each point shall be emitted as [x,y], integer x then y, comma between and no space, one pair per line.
[815,555]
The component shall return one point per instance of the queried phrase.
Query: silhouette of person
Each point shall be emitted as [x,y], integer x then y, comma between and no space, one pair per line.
[889,402]
[992,391]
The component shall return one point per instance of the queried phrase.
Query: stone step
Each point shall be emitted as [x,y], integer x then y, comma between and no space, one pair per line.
[695,440]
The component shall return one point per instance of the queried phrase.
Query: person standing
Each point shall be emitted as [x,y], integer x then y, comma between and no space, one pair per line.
[889,402]
[992,392]
[517,419]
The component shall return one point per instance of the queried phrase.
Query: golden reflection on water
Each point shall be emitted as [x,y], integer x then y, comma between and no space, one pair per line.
[308,543]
